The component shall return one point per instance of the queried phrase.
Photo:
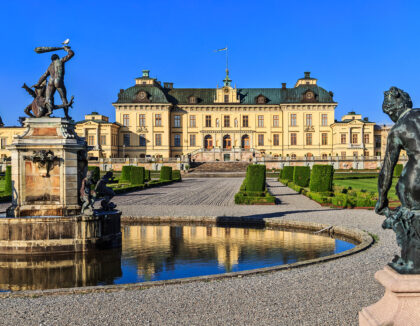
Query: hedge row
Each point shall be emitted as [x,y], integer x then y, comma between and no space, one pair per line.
[301,175]
[8,181]
[166,173]
[137,175]
[176,175]
[321,178]
[287,173]
[255,178]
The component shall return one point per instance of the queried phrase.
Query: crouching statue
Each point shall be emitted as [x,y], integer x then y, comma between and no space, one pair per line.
[107,193]
[405,220]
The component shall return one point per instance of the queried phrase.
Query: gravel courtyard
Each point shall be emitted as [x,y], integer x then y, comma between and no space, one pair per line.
[329,293]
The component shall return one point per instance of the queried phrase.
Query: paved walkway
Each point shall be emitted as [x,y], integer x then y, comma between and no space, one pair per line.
[329,293]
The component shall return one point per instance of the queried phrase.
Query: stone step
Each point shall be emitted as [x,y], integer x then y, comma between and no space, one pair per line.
[214,175]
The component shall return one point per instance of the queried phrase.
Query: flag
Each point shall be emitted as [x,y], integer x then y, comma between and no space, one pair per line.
[224,49]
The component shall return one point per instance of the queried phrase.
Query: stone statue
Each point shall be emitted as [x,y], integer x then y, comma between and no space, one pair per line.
[44,97]
[1,123]
[46,160]
[405,220]
[107,193]
[87,196]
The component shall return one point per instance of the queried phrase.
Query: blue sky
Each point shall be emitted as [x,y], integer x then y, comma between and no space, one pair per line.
[357,49]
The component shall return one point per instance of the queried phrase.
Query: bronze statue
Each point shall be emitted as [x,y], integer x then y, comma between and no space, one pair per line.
[1,122]
[405,220]
[43,104]
[107,193]
[87,196]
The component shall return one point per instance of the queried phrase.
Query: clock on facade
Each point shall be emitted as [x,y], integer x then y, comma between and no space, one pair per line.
[142,95]
[226,90]
[309,95]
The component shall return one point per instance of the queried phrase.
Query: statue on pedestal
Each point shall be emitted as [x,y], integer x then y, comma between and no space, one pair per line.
[43,91]
[405,220]
[87,195]
[107,193]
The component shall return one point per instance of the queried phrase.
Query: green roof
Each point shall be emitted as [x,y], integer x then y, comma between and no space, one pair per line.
[154,93]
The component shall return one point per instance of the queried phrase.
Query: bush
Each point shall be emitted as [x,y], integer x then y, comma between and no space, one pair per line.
[280,174]
[244,198]
[365,202]
[96,172]
[8,181]
[255,177]
[126,172]
[301,175]
[287,173]
[137,175]
[341,201]
[321,178]
[176,175]
[166,173]
[147,175]
[397,170]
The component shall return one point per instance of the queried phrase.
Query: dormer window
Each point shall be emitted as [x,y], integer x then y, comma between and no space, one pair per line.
[192,100]
[142,96]
[309,96]
[261,99]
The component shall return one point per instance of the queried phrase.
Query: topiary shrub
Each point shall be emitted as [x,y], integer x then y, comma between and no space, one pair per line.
[255,177]
[321,178]
[135,178]
[280,174]
[96,172]
[8,181]
[166,173]
[287,173]
[301,175]
[126,172]
[176,175]
[397,170]
[146,175]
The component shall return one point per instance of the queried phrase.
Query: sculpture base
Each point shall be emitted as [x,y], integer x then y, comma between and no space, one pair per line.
[400,304]
[36,235]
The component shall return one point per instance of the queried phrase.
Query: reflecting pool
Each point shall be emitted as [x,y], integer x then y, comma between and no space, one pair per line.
[162,252]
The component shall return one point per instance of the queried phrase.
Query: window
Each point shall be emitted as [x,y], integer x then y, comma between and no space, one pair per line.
[293,120]
[126,120]
[91,140]
[275,120]
[126,139]
[226,121]
[193,100]
[260,121]
[261,99]
[276,140]
[308,139]
[245,121]
[192,140]
[177,140]
[208,121]
[226,98]
[103,139]
[293,139]
[354,139]
[158,139]
[142,120]
[158,120]
[324,137]
[309,120]
[324,156]
[192,121]
[260,140]
[177,121]
[293,156]
[355,154]
[366,153]
[343,138]
[366,138]
[324,120]
[343,155]
[114,140]
[3,143]
[378,141]
[142,140]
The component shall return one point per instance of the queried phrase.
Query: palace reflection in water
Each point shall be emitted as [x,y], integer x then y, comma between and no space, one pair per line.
[159,252]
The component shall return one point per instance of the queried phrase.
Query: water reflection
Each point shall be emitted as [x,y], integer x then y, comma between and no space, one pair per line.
[160,252]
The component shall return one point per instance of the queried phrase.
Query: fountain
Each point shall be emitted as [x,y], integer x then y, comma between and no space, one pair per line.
[49,164]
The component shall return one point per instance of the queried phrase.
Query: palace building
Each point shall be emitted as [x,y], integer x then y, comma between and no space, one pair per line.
[226,124]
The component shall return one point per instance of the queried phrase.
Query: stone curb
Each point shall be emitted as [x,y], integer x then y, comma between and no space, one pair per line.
[363,239]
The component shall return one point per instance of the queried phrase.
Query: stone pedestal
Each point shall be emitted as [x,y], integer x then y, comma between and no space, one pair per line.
[400,304]
[48,164]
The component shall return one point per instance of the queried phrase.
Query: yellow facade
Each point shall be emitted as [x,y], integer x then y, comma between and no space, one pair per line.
[6,138]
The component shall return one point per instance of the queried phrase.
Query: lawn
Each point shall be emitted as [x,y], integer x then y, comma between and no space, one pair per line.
[370,184]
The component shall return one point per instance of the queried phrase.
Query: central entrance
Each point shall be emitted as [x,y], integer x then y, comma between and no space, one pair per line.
[227,142]
[245,142]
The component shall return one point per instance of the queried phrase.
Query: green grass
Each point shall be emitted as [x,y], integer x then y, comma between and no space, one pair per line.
[370,184]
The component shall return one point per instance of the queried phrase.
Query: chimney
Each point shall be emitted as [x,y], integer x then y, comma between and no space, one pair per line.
[307,74]
[283,85]
[168,85]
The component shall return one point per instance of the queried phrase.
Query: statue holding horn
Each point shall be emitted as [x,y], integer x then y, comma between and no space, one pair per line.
[44,91]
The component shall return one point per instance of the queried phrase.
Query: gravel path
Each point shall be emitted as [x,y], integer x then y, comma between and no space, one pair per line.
[329,293]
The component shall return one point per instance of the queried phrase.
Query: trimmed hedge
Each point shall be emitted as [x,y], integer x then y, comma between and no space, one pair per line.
[321,178]
[397,170]
[166,173]
[176,175]
[255,178]
[8,181]
[301,175]
[96,172]
[126,172]
[137,175]
[287,173]
[280,174]
[245,198]
[147,175]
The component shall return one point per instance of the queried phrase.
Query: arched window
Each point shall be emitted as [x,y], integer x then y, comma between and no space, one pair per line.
[245,144]
[227,142]
[208,142]
[293,156]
